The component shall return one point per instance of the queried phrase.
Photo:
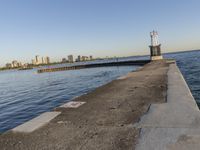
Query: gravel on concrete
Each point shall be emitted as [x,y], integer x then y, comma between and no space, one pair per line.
[105,122]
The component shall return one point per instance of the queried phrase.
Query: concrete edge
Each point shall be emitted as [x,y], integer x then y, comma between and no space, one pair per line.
[175,71]
[36,123]
[158,127]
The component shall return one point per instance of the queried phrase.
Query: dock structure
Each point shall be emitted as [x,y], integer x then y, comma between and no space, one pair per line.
[149,109]
[94,65]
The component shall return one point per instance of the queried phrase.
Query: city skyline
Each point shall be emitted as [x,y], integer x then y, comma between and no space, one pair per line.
[99,28]
[45,60]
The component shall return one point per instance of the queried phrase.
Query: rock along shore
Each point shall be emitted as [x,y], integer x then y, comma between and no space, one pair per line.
[106,121]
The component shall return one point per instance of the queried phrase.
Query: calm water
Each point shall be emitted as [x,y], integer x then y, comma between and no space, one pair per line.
[26,94]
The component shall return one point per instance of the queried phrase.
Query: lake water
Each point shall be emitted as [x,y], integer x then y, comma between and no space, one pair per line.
[26,94]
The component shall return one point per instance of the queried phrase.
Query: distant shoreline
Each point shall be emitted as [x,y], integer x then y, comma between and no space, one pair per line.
[110,58]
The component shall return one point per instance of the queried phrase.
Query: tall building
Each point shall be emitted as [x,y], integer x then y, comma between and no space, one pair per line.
[91,58]
[47,60]
[37,60]
[19,64]
[43,60]
[78,58]
[14,63]
[155,46]
[8,65]
[84,58]
[70,59]
[64,60]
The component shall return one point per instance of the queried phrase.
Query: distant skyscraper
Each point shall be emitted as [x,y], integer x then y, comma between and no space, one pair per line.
[8,65]
[47,60]
[78,58]
[70,59]
[37,60]
[91,57]
[19,64]
[64,60]
[84,58]
[14,63]
[43,60]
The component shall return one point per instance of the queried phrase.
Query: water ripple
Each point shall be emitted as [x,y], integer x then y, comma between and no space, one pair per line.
[24,94]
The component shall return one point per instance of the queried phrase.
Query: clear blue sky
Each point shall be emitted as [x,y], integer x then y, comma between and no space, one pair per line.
[57,28]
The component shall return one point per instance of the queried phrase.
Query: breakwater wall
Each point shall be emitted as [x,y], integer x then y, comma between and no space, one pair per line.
[107,64]
[174,125]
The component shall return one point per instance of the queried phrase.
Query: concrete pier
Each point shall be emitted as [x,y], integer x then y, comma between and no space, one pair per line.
[105,64]
[149,109]
[174,125]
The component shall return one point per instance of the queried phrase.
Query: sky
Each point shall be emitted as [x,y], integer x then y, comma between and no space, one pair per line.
[58,28]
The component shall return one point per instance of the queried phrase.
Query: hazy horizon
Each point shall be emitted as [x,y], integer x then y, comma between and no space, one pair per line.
[93,27]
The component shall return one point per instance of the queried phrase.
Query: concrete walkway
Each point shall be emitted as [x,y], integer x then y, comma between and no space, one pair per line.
[104,122]
[174,125]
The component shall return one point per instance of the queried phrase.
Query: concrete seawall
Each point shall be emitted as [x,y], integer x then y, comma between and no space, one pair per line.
[149,109]
[174,125]
[95,65]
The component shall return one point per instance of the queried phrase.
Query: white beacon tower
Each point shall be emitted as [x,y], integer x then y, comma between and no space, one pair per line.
[155,46]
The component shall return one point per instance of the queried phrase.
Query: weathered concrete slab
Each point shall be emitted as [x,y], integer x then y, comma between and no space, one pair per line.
[72,104]
[174,125]
[36,123]
[168,139]
[169,116]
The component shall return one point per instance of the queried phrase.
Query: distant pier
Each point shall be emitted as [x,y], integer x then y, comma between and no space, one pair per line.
[107,64]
